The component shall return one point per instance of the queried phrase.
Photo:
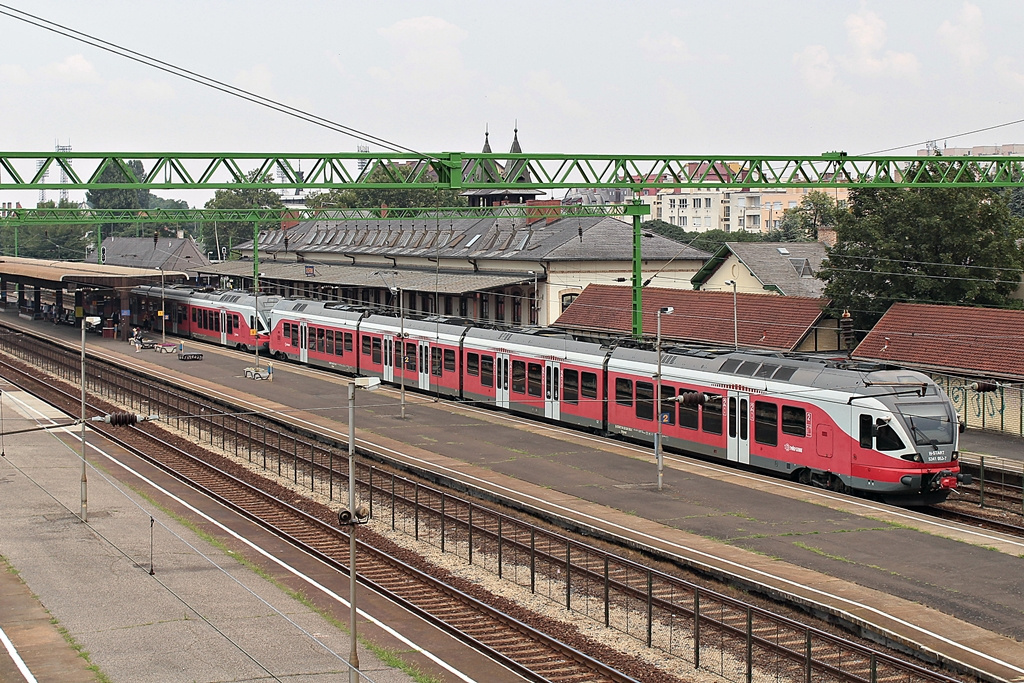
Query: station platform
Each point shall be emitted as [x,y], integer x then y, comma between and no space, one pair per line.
[949,589]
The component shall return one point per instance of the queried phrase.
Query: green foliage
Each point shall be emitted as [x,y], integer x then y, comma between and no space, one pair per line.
[369,198]
[944,246]
[228,234]
[61,241]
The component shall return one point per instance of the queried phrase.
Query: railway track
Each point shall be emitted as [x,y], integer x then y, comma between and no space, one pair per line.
[521,647]
[745,628]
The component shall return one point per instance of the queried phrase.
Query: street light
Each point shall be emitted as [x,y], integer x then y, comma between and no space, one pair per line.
[534,311]
[667,310]
[163,323]
[352,516]
[735,324]
[397,292]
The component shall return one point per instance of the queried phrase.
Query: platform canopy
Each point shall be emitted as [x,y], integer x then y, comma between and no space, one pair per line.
[69,275]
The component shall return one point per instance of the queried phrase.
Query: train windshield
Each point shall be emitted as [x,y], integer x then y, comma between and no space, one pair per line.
[930,423]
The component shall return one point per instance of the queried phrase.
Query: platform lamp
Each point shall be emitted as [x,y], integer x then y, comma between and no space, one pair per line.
[352,516]
[163,309]
[397,292]
[735,323]
[667,310]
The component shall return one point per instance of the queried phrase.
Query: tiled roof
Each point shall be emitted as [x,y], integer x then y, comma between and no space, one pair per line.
[982,341]
[763,320]
[560,239]
[789,267]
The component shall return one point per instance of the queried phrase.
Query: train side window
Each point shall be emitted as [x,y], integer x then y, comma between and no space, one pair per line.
[375,353]
[766,423]
[366,346]
[518,377]
[588,385]
[320,335]
[295,336]
[624,391]
[338,337]
[712,414]
[329,345]
[794,421]
[865,432]
[410,355]
[436,355]
[216,321]
[486,371]
[645,400]
[535,380]
[473,364]
[689,416]
[449,360]
[286,332]
[195,312]
[571,386]
[348,342]
[667,394]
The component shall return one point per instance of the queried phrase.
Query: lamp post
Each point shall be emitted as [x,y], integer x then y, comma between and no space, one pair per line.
[85,480]
[735,324]
[163,321]
[534,311]
[351,517]
[255,332]
[397,292]
[667,310]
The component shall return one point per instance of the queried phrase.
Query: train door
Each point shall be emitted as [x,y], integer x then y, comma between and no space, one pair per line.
[501,380]
[389,358]
[303,342]
[739,426]
[223,327]
[551,390]
[424,350]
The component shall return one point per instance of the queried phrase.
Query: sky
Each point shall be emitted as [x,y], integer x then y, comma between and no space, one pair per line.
[599,77]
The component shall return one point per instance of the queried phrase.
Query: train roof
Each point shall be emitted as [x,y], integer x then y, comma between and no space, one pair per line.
[563,343]
[324,309]
[441,325]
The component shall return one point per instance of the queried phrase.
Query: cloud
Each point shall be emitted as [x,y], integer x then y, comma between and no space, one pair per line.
[815,66]
[258,80]
[424,55]
[963,37]
[1007,74]
[866,34]
[14,74]
[664,49]
[145,90]
[74,69]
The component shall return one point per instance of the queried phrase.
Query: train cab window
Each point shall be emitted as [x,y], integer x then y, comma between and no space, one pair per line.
[645,400]
[375,355]
[794,421]
[866,440]
[348,342]
[435,361]
[689,415]
[449,360]
[886,438]
[329,342]
[571,386]
[410,356]
[473,364]
[624,391]
[366,346]
[487,371]
[518,377]
[766,423]
[588,385]
[535,380]
[712,414]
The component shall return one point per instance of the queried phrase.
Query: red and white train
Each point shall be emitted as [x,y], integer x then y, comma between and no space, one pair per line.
[886,432]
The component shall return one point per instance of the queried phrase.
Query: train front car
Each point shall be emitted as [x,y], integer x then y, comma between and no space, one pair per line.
[908,438]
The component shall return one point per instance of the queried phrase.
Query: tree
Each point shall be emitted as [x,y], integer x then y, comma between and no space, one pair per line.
[59,241]
[227,234]
[708,241]
[371,198]
[945,246]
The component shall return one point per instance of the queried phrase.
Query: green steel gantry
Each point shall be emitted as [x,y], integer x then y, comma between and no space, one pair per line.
[467,171]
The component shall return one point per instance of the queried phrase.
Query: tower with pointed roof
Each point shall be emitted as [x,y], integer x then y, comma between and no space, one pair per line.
[490,171]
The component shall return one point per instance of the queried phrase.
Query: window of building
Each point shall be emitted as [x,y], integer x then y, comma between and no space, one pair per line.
[567,300]
[696,221]
[499,309]
[485,307]
[682,221]
[517,309]
[683,203]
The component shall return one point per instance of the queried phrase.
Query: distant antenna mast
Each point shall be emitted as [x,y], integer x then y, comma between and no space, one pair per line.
[933,148]
[63,172]
[362,162]
[42,190]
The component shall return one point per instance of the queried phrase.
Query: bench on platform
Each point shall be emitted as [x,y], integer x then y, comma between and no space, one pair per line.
[147,344]
[257,373]
[190,356]
[166,348]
